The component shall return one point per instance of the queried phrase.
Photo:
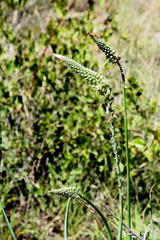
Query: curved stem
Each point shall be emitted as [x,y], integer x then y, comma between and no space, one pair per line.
[132,233]
[101,215]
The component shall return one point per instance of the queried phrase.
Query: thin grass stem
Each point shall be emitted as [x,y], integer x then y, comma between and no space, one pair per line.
[151,211]
[126,147]
[66,219]
[129,229]
[111,119]
[101,215]
[7,221]
[120,191]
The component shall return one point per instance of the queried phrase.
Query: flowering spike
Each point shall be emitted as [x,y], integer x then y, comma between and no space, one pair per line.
[67,192]
[98,82]
[110,54]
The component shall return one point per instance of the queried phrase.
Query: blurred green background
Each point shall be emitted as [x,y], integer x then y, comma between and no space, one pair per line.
[54,131]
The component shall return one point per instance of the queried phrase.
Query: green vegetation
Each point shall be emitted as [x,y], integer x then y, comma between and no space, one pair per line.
[54,131]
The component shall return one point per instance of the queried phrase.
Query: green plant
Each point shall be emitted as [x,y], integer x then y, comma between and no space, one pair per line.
[53,125]
[100,84]
[112,57]
[75,193]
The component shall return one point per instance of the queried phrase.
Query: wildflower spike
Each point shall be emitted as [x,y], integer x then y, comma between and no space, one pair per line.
[67,192]
[98,82]
[110,54]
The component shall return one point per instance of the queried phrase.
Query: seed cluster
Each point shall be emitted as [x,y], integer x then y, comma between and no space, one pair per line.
[110,54]
[67,192]
[98,82]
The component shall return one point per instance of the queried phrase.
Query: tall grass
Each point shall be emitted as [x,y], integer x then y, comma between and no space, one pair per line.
[102,87]
[113,58]
[73,192]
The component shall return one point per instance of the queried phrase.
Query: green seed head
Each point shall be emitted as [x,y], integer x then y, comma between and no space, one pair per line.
[67,192]
[98,82]
[110,54]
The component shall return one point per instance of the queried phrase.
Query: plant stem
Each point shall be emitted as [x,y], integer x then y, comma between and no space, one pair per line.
[7,221]
[120,191]
[101,215]
[66,219]
[111,119]
[129,229]
[126,147]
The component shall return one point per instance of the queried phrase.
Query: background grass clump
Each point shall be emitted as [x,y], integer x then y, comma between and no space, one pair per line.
[53,125]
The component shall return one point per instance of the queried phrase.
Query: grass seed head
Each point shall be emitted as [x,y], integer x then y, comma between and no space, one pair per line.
[67,192]
[98,82]
[110,54]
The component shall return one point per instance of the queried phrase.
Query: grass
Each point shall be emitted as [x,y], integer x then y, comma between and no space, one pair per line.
[101,85]
[7,222]
[53,128]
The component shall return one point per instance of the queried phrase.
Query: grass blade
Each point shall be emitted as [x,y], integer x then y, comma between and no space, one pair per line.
[7,221]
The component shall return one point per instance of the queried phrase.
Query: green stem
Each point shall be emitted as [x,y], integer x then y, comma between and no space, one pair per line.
[101,215]
[132,233]
[7,221]
[126,148]
[66,219]
[120,191]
